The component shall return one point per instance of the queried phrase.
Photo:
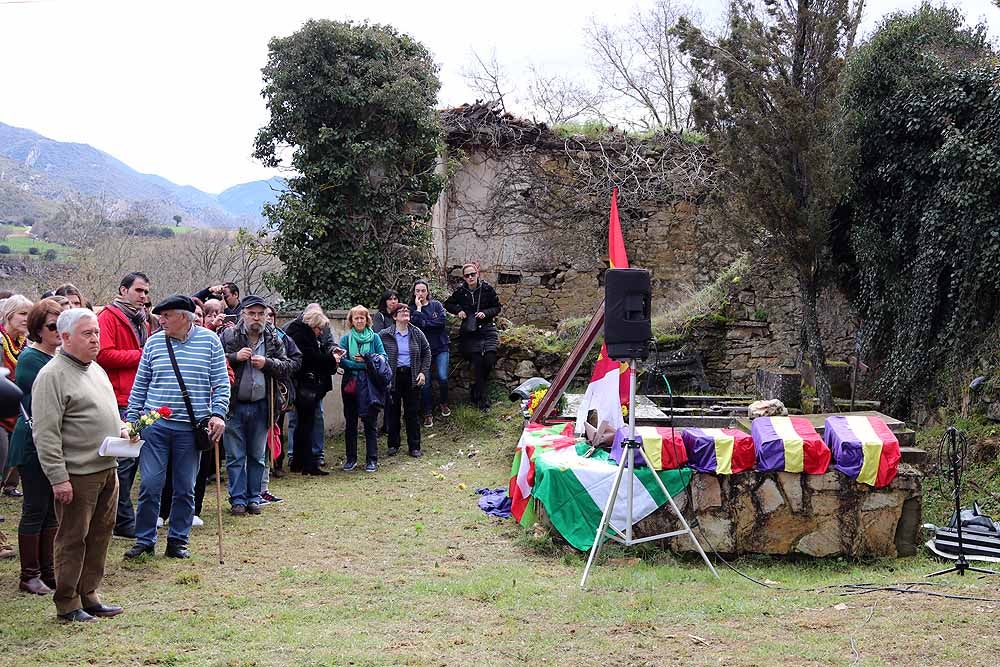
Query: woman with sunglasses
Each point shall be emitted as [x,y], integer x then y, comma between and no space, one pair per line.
[476,304]
[37,530]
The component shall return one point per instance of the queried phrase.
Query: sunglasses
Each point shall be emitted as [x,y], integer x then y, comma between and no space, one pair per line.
[471,275]
[51,326]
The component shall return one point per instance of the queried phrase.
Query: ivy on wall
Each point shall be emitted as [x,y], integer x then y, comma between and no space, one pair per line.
[925,107]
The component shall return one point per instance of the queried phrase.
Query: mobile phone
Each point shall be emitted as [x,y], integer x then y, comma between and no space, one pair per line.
[337,348]
[230,318]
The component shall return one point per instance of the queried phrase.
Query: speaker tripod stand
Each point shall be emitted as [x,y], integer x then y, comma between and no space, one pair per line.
[627,464]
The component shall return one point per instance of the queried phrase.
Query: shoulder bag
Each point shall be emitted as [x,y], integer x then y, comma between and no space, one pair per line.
[202,438]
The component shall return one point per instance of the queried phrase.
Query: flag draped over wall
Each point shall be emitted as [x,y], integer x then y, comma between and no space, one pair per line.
[553,468]
[609,383]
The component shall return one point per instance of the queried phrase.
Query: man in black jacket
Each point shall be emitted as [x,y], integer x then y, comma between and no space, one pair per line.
[477,305]
[258,358]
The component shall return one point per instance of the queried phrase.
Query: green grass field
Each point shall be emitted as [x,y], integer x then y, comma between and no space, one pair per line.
[401,568]
[20,244]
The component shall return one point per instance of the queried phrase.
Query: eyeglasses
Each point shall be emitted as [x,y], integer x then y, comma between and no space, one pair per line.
[471,275]
[51,326]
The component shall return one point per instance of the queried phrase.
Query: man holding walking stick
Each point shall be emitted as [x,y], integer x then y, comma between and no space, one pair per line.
[201,371]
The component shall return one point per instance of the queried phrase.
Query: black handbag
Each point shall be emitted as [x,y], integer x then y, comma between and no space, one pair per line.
[202,438]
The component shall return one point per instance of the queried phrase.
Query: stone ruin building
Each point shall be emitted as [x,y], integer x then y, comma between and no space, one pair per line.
[531,206]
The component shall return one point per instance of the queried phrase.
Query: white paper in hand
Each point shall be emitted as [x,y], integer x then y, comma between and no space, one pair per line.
[120,447]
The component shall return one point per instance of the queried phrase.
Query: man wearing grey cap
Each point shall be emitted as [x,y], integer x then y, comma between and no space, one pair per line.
[258,358]
[202,365]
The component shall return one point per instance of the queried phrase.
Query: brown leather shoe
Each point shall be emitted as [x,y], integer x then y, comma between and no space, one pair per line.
[104,610]
[6,551]
[238,510]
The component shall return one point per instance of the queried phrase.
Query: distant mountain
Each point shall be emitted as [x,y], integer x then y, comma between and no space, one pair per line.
[35,169]
[248,198]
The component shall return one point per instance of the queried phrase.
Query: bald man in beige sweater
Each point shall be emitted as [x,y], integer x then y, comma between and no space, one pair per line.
[75,409]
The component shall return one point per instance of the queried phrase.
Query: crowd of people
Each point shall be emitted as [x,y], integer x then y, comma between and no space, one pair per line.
[201,374]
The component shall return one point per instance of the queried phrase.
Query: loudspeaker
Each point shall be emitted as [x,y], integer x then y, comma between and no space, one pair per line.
[627,324]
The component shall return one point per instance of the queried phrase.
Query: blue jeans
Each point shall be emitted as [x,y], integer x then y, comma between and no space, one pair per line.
[370,424]
[246,448]
[319,432]
[439,372]
[125,519]
[177,446]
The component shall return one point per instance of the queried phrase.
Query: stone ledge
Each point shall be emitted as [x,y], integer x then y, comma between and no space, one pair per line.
[788,514]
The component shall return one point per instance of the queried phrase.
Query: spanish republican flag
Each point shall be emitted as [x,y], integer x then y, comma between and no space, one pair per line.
[609,383]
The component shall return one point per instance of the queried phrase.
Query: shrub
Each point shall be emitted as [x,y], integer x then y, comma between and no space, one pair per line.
[33,250]
[50,255]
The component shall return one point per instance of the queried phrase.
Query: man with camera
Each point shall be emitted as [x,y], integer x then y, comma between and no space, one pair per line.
[228,292]
[258,359]
[179,354]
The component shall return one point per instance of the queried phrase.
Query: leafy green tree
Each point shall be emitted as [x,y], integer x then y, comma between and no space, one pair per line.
[177,220]
[777,128]
[926,196]
[352,108]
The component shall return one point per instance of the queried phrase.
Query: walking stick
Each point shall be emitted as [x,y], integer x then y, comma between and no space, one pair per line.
[218,497]
[270,425]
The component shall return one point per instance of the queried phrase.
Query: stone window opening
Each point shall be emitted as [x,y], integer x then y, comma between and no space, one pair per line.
[508,278]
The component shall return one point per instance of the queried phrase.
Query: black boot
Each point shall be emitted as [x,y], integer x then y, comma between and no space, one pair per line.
[177,549]
[46,556]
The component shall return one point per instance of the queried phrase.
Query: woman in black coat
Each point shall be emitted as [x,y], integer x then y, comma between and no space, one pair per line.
[477,305]
[383,314]
[311,384]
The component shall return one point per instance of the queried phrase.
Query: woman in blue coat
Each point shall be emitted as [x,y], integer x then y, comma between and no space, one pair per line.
[430,317]
[359,341]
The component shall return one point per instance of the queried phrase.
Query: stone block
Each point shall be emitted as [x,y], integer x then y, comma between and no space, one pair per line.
[769,497]
[717,530]
[878,500]
[791,486]
[780,383]
[878,531]
[525,369]
[706,491]
[828,481]
[822,542]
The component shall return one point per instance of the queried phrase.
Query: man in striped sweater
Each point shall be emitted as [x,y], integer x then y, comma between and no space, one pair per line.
[202,365]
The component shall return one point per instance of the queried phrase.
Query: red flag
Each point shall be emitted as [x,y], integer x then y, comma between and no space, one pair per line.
[617,258]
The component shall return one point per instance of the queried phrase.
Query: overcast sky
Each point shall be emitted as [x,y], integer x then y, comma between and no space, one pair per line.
[173,88]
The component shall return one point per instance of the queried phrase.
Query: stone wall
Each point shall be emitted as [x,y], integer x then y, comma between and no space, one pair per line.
[760,329]
[787,514]
[544,275]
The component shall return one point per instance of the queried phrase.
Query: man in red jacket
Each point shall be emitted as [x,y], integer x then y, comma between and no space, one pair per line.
[124,330]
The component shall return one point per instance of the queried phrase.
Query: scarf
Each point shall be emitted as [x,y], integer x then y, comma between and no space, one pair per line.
[357,342]
[137,316]
[11,348]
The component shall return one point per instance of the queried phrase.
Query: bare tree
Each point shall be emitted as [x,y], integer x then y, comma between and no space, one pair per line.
[487,77]
[642,62]
[560,99]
